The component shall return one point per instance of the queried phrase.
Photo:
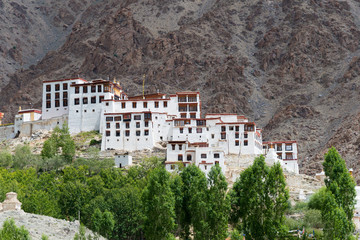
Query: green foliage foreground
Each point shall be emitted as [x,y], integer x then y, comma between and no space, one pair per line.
[147,202]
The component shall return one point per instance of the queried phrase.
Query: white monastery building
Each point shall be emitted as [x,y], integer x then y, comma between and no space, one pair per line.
[147,121]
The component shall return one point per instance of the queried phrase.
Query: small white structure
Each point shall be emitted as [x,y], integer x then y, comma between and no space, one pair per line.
[11,202]
[123,160]
[286,152]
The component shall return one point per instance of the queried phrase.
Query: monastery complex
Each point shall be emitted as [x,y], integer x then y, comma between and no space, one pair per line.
[131,123]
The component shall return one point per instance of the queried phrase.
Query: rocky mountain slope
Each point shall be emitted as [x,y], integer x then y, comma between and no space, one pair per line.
[291,65]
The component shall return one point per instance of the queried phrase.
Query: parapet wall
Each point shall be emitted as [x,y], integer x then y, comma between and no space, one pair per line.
[28,128]
[7,132]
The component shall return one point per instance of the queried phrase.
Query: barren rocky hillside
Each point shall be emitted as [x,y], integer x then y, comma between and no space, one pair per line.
[291,65]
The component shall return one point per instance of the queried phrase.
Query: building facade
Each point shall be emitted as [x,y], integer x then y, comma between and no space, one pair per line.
[132,123]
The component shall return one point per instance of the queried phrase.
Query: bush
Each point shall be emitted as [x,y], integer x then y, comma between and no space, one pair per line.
[312,218]
[317,199]
[293,224]
[94,142]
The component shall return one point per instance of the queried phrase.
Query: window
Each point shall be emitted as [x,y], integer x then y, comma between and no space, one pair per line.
[192,115]
[48,88]
[118,118]
[65,102]
[65,95]
[107,104]
[85,100]
[279,156]
[183,115]
[237,128]
[216,162]
[48,96]
[205,167]
[127,117]
[57,87]
[93,89]
[108,125]
[134,104]
[137,117]
[123,105]
[237,143]
[145,104]
[180,157]
[65,86]
[109,119]
[85,88]
[172,167]
[93,99]
[156,104]
[203,155]
[57,103]
[223,128]
[278,148]
[181,130]
[146,132]
[200,123]
[137,133]
[289,156]
[77,90]
[245,135]
[190,130]
[212,136]
[137,124]
[127,133]
[147,116]
[180,146]
[237,135]
[48,104]
[101,98]
[57,95]
[117,133]
[199,130]
[99,88]
[127,125]
[223,136]
[216,155]
[245,142]
[76,101]
[231,128]
[108,133]
[165,104]
[117,125]
[106,88]
[146,123]
[173,146]
[288,147]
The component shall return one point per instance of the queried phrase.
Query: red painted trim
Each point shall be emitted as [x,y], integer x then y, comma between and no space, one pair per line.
[61,80]
[30,111]
[276,142]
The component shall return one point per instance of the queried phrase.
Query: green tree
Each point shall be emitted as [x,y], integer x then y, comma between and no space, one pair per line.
[60,143]
[126,205]
[193,208]
[259,200]
[103,223]
[159,204]
[218,204]
[6,159]
[10,231]
[339,202]
[23,157]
